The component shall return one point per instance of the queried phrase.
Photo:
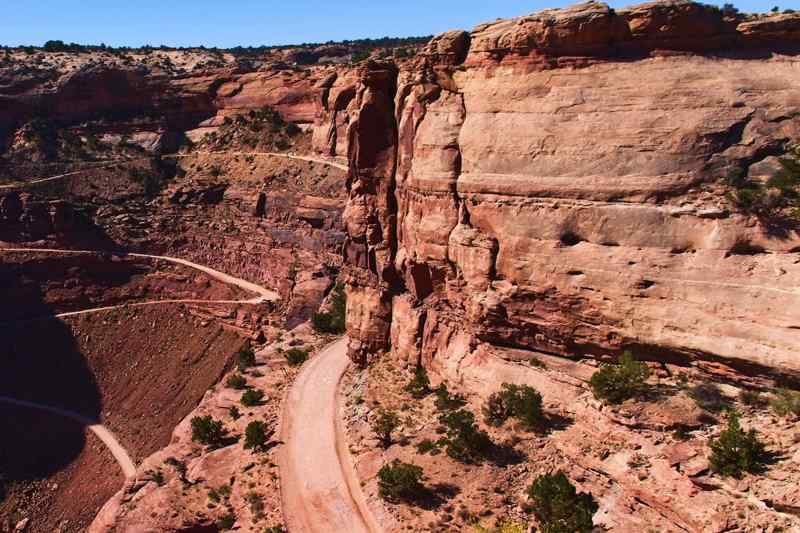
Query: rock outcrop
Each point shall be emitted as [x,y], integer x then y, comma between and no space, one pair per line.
[554,183]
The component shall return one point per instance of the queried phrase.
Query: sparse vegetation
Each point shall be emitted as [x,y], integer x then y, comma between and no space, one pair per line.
[275,529]
[208,431]
[465,442]
[256,503]
[780,194]
[737,451]
[333,320]
[558,507]
[786,402]
[398,481]
[255,436]
[384,424]
[179,466]
[420,384]
[708,396]
[252,397]
[615,383]
[445,401]
[296,356]
[236,381]
[234,413]
[226,521]
[519,401]
[246,358]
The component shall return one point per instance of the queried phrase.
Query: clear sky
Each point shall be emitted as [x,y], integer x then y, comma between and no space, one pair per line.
[255,22]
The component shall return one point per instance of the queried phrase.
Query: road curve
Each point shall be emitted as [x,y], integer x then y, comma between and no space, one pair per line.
[319,488]
[264,294]
[102,432]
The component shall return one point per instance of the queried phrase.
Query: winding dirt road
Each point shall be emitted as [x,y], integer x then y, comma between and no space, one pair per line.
[264,295]
[103,164]
[102,432]
[320,160]
[319,487]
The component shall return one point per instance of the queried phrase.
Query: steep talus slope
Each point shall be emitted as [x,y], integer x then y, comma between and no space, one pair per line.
[554,183]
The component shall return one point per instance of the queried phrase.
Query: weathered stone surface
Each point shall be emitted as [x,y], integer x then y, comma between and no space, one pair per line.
[562,190]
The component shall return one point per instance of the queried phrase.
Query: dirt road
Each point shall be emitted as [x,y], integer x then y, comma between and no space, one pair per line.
[319,487]
[320,160]
[102,432]
[264,294]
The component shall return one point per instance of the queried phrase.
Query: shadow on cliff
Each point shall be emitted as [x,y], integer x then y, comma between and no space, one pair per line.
[41,363]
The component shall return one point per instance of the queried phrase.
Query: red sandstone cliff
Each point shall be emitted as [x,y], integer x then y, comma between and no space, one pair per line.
[553,182]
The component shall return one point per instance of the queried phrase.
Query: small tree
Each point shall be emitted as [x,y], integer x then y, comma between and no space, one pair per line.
[296,356]
[445,401]
[236,381]
[399,481]
[252,397]
[617,383]
[786,402]
[495,410]
[465,442]
[737,451]
[384,424]
[255,436]
[420,385]
[558,507]
[206,430]
[333,320]
[246,358]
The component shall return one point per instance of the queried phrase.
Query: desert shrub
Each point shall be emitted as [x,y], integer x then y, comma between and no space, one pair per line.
[426,446]
[558,507]
[752,398]
[420,385]
[709,397]
[502,526]
[495,410]
[445,401]
[256,503]
[236,381]
[465,441]
[616,383]
[782,190]
[246,358]
[737,451]
[206,430]
[786,402]
[226,521]
[384,424]
[156,476]
[179,466]
[255,436]
[215,171]
[296,356]
[234,413]
[275,529]
[252,397]
[333,320]
[398,481]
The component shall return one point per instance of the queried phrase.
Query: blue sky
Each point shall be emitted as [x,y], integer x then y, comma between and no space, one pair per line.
[252,22]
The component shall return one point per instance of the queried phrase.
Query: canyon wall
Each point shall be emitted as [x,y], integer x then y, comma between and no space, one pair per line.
[555,183]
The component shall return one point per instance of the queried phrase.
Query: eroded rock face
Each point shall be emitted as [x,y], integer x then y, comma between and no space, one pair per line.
[557,187]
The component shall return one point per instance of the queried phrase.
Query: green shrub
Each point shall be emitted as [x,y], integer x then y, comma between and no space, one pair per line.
[236,381]
[398,481]
[495,410]
[226,521]
[296,356]
[751,398]
[234,413]
[275,529]
[206,430]
[334,320]
[708,396]
[616,383]
[246,358]
[558,507]
[420,385]
[786,402]
[252,397]
[426,446]
[737,451]
[255,436]
[384,424]
[464,441]
[446,401]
